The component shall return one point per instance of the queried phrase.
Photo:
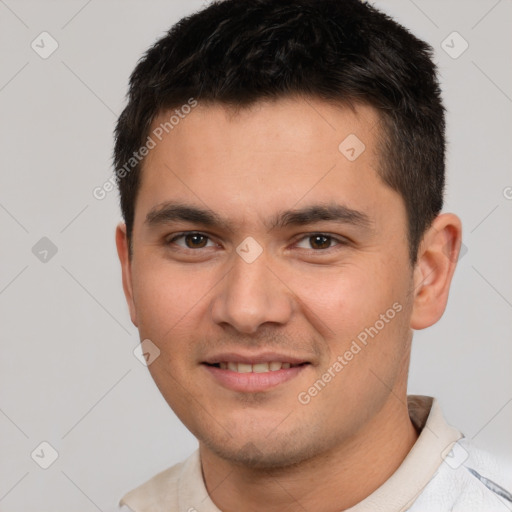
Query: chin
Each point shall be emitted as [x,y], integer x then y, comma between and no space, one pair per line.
[251,455]
[263,452]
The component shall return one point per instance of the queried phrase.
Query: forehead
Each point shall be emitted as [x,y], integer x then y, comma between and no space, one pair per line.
[273,153]
[301,125]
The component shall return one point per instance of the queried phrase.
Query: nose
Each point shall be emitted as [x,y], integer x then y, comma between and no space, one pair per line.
[251,294]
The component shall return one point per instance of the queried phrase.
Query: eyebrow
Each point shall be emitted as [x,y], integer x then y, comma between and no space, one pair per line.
[171,211]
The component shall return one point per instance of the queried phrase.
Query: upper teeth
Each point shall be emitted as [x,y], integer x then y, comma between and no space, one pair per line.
[256,368]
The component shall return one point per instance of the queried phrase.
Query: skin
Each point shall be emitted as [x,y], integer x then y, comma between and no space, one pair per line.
[266,450]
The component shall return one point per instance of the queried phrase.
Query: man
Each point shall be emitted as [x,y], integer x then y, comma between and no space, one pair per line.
[281,171]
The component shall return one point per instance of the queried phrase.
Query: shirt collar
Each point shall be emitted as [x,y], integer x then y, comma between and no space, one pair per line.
[397,494]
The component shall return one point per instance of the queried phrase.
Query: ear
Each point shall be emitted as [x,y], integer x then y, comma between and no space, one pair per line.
[437,258]
[124,258]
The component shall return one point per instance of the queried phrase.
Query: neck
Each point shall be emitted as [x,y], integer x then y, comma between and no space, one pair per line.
[342,477]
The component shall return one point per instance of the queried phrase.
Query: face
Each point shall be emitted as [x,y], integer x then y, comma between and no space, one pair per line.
[270,268]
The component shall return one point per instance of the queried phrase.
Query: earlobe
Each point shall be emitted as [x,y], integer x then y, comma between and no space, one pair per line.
[124,259]
[437,259]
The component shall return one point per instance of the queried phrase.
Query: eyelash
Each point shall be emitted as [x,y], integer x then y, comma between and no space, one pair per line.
[340,241]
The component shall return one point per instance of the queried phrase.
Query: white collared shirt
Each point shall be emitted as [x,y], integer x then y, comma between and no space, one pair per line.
[443,472]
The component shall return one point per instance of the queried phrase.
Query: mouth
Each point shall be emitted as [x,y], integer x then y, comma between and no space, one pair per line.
[259,374]
[237,367]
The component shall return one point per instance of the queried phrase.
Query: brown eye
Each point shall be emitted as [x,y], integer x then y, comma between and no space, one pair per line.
[191,241]
[195,241]
[320,241]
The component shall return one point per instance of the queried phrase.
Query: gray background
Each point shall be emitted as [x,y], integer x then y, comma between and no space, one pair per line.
[68,375]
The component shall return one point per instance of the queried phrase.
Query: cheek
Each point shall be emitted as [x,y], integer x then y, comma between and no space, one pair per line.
[168,301]
[167,296]
[349,298]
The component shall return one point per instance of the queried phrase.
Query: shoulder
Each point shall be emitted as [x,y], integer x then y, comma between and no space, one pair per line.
[488,471]
[149,496]
[469,479]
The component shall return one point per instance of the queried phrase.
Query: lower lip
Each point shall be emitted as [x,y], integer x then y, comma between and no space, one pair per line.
[253,382]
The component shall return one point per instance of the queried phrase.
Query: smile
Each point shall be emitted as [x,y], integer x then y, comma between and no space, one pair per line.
[272,366]
[256,377]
